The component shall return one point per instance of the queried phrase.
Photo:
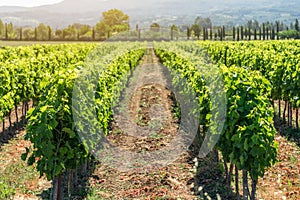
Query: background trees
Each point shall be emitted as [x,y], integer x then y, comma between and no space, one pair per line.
[292,33]
[297,25]
[155,27]
[203,22]
[84,31]
[28,33]
[42,32]
[174,32]
[112,22]
[70,32]
[196,28]
[9,31]
[2,28]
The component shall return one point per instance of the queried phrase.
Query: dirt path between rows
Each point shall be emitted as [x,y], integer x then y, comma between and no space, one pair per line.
[150,102]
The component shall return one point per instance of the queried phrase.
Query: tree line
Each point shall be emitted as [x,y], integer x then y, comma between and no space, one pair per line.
[115,21]
[112,21]
[252,30]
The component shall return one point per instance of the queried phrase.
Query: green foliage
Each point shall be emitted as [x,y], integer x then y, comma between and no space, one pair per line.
[113,20]
[5,191]
[196,28]
[278,61]
[155,27]
[28,33]
[51,128]
[253,73]
[297,28]
[109,88]
[70,32]
[84,30]
[10,33]
[42,32]
[186,70]
[203,22]
[289,34]
[25,71]
[247,139]
[174,28]
[174,32]
[2,28]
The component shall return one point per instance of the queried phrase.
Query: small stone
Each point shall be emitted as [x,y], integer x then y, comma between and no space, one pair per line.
[200,188]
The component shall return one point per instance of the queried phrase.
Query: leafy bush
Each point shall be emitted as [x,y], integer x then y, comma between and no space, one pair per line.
[289,34]
[5,191]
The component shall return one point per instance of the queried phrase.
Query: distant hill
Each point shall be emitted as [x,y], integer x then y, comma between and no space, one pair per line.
[164,12]
[12,9]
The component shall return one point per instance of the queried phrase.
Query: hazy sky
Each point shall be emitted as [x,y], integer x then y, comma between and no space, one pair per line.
[27,3]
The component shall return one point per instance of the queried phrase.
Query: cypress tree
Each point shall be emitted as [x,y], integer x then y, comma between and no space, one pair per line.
[93,34]
[35,34]
[297,25]
[233,33]
[259,33]
[6,31]
[21,32]
[63,34]
[273,33]
[242,33]
[264,31]
[249,33]
[277,30]
[50,32]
